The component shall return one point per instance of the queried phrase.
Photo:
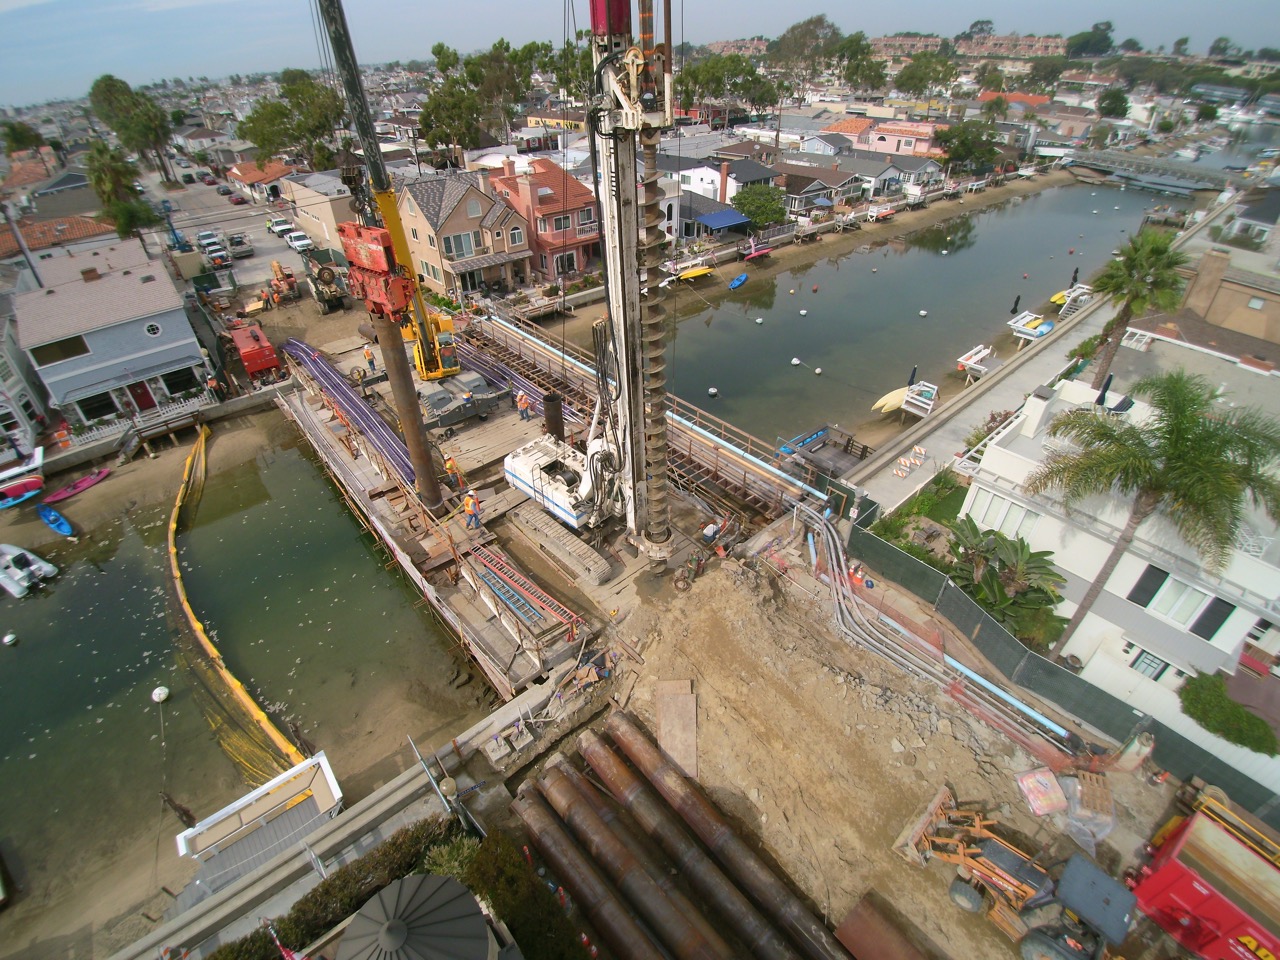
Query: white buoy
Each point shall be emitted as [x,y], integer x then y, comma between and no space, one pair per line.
[10,639]
[818,371]
[804,313]
[924,313]
[712,392]
[873,269]
[790,291]
[1094,194]
[1117,208]
[759,319]
[1095,213]
[160,694]
[795,361]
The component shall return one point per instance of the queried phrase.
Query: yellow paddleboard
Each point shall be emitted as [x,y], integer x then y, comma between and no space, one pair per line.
[1059,298]
[695,273]
[891,401]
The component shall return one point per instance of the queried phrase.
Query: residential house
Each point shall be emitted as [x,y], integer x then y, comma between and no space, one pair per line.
[1013,46]
[851,128]
[317,203]
[1256,219]
[1072,123]
[1237,298]
[817,185]
[23,415]
[704,217]
[720,181]
[55,237]
[877,174]
[260,184]
[1161,616]
[902,138]
[228,153]
[192,140]
[825,144]
[109,338]
[562,211]
[462,237]
[66,194]
[904,46]
[917,169]
[762,153]
[1033,101]
[1216,93]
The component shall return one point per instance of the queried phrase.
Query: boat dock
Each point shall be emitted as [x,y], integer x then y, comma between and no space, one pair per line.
[921,398]
[1029,327]
[977,362]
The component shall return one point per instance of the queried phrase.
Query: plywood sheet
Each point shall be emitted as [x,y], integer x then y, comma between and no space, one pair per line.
[678,724]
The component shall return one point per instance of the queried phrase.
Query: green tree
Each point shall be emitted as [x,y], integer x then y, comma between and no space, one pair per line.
[1143,278]
[110,97]
[1180,46]
[1113,103]
[129,216]
[21,136]
[972,143]
[303,119]
[1269,54]
[177,117]
[995,108]
[110,175]
[416,66]
[450,117]
[1045,71]
[500,78]
[447,59]
[765,205]
[1206,112]
[141,124]
[855,57]
[1195,462]
[1220,47]
[925,73]
[1130,45]
[291,75]
[1166,126]
[979,28]
[1094,42]
[802,51]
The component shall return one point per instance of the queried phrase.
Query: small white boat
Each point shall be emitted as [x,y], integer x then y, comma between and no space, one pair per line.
[20,570]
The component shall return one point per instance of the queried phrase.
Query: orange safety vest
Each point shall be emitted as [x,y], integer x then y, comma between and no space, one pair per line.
[471,505]
[523,402]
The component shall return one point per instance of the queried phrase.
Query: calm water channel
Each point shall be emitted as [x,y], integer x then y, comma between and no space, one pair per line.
[863,327]
[304,613]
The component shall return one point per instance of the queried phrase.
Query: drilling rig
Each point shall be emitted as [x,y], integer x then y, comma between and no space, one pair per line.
[621,469]
[381,271]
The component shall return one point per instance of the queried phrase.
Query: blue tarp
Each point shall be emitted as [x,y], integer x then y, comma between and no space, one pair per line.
[721,219]
[824,202]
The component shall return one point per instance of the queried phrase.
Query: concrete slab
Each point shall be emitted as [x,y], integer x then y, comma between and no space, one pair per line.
[678,724]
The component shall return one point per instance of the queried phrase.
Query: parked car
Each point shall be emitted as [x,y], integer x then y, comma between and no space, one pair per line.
[207,238]
[184,164]
[218,257]
[188,177]
[299,241]
[280,226]
[236,200]
[209,181]
[224,190]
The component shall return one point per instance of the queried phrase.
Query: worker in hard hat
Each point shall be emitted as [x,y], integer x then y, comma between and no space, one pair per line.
[524,405]
[471,507]
[453,476]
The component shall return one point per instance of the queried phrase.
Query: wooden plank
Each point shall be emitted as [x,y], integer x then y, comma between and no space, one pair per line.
[678,730]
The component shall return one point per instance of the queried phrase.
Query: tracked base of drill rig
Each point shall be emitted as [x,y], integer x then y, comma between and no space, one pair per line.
[911,843]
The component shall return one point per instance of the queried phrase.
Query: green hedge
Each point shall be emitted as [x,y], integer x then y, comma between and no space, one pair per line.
[345,891]
[1205,700]
[500,874]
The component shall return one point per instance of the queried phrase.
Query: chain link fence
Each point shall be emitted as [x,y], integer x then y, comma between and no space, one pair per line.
[1029,670]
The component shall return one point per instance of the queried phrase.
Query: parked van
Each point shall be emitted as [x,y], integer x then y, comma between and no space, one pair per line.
[279,225]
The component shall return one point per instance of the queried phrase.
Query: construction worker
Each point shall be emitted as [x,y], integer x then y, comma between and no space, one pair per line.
[368,358]
[523,404]
[266,299]
[471,507]
[451,473]
[466,396]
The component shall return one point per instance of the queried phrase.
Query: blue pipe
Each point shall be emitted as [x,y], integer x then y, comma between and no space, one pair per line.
[746,456]
[1018,705]
[813,552]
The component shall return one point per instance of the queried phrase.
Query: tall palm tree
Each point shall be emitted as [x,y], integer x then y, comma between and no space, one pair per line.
[1144,278]
[1198,465]
[110,175]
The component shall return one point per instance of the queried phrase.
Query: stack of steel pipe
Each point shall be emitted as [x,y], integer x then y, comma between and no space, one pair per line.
[752,873]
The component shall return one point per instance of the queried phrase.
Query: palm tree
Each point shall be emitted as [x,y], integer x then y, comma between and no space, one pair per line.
[110,175]
[995,107]
[1196,464]
[1145,278]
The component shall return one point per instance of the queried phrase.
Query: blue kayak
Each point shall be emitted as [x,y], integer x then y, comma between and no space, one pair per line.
[737,281]
[55,520]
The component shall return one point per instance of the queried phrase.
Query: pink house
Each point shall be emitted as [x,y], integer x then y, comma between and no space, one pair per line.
[562,212]
[902,138]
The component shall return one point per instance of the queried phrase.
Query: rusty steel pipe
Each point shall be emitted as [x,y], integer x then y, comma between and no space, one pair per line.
[680,936]
[647,860]
[591,890]
[741,862]
[706,879]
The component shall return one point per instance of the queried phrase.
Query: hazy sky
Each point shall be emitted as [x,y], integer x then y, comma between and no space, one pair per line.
[55,48]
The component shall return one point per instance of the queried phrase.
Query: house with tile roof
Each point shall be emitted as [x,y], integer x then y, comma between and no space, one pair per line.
[55,237]
[109,338]
[462,237]
[260,184]
[562,211]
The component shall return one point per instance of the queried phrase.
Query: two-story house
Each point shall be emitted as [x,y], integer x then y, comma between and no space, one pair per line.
[462,237]
[1161,615]
[22,411]
[562,211]
[109,338]
[317,203]
[817,183]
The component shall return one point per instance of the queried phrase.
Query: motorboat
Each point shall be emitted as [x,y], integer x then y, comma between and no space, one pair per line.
[20,570]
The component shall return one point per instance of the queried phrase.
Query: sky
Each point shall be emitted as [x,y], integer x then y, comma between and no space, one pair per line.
[53,49]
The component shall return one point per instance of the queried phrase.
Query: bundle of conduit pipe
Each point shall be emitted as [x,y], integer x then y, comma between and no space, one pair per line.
[627,891]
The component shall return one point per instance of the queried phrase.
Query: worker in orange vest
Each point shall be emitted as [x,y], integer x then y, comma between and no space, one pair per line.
[523,404]
[452,476]
[471,507]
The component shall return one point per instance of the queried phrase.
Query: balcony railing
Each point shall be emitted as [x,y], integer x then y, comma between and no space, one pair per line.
[457,255]
[143,421]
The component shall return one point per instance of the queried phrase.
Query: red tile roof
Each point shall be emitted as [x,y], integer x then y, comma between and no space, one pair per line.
[25,173]
[563,192]
[850,126]
[250,173]
[1030,99]
[43,234]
